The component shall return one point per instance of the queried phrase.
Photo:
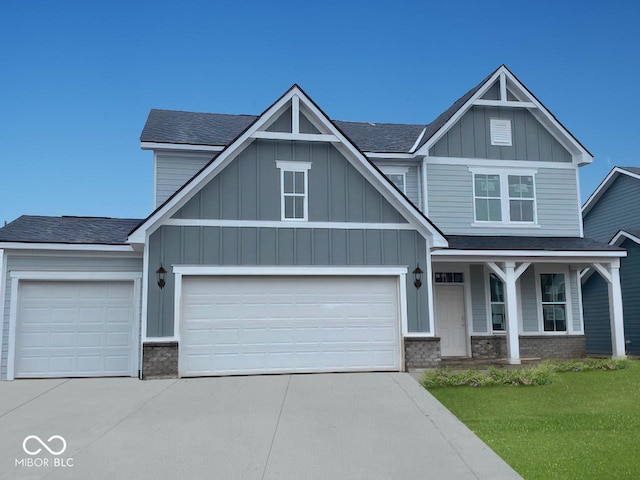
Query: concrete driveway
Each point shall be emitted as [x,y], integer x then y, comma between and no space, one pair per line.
[322,426]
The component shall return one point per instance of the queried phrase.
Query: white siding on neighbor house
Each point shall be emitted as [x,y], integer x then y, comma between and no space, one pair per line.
[450,197]
[173,170]
[57,263]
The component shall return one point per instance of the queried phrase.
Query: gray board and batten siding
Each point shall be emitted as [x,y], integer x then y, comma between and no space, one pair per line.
[450,197]
[470,138]
[595,294]
[615,210]
[58,263]
[249,189]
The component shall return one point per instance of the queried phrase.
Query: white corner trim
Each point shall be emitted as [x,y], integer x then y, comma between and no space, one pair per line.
[177,304]
[288,271]
[13,316]
[180,146]
[145,299]
[81,247]
[3,281]
[402,300]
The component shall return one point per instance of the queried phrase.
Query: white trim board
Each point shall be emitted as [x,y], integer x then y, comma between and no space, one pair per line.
[183,222]
[495,255]
[499,164]
[72,276]
[66,246]
[604,186]
[580,155]
[351,153]
[180,146]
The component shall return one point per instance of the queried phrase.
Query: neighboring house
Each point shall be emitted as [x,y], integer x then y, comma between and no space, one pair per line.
[611,216]
[289,242]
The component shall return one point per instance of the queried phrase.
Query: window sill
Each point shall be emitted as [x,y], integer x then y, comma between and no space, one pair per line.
[504,225]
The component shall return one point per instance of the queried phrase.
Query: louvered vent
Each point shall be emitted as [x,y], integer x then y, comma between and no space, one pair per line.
[500,132]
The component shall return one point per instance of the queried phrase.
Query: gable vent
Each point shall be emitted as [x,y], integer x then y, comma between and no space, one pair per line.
[500,132]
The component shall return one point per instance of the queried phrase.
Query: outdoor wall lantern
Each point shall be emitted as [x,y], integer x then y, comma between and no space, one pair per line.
[417,276]
[161,273]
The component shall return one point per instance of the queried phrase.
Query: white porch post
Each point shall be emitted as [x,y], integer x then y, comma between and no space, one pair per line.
[615,313]
[511,298]
[611,273]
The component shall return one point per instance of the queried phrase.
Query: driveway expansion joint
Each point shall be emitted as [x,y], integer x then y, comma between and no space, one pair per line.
[275,430]
[34,398]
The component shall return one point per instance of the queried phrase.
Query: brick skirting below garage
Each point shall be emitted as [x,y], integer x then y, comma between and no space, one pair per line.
[541,346]
[160,360]
[421,352]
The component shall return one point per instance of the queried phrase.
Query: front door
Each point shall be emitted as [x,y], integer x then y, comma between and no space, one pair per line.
[450,321]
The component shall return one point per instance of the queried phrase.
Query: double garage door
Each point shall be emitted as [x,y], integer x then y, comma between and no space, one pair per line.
[75,329]
[251,324]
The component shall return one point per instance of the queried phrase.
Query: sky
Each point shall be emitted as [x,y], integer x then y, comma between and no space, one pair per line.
[78,78]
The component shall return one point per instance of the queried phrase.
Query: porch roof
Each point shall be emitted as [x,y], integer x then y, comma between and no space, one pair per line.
[554,244]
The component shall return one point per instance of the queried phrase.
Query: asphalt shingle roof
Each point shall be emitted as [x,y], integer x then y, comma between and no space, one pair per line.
[467,242]
[87,230]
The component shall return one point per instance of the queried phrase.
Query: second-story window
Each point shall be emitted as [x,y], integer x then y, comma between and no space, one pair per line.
[397,175]
[294,188]
[506,197]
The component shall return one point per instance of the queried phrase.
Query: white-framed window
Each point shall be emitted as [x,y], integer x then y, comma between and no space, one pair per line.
[497,305]
[500,132]
[397,175]
[488,205]
[521,198]
[294,190]
[553,300]
[504,197]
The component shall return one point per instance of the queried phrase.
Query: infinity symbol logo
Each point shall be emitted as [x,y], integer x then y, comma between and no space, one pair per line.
[44,445]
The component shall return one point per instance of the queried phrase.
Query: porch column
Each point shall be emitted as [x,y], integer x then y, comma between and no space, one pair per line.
[611,273]
[511,299]
[616,316]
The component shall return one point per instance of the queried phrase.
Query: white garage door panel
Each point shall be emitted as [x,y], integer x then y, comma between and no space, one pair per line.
[235,325]
[75,329]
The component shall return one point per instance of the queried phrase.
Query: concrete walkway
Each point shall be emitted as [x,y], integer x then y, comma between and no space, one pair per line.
[276,427]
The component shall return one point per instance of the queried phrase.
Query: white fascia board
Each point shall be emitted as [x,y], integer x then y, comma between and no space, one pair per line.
[619,238]
[180,146]
[580,155]
[387,155]
[355,157]
[526,255]
[424,150]
[79,247]
[604,185]
[288,271]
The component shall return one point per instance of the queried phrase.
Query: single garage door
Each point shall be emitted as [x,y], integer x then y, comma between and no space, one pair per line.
[246,325]
[75,329]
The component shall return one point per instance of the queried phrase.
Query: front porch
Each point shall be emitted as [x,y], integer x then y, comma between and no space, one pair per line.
[499,299]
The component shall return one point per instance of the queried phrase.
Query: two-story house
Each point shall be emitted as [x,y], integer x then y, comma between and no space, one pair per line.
[290,242]
[610,216]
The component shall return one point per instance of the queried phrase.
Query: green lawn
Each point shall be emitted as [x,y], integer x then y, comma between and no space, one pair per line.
[583,425]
